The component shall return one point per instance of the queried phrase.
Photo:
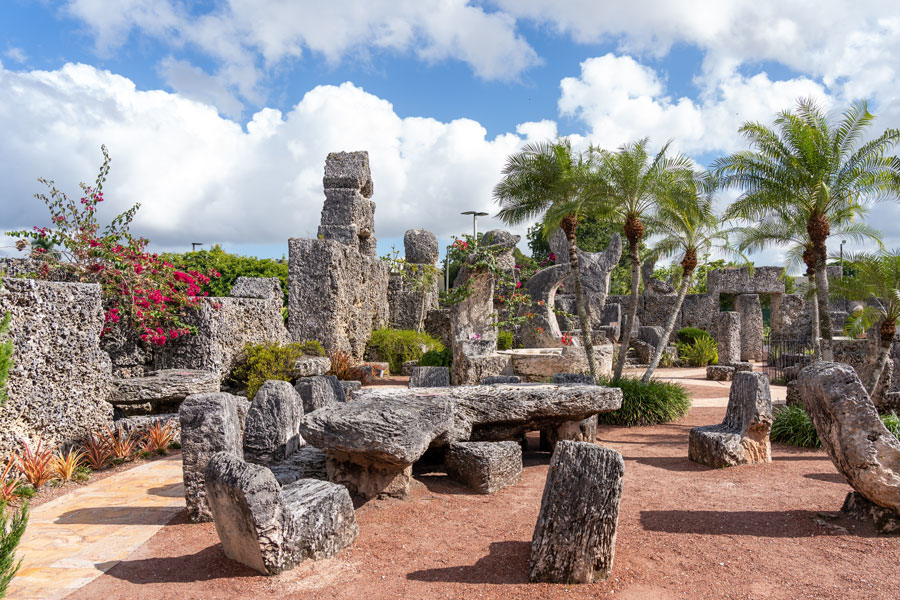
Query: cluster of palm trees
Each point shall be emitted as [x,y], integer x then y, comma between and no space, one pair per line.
[800,181]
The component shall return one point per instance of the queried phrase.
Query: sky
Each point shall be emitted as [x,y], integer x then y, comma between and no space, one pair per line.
[218,114]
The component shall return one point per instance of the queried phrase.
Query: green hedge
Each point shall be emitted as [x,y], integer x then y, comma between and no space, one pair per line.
[397,346]
[687,335]
[650,403]
[504,340]
[437,358]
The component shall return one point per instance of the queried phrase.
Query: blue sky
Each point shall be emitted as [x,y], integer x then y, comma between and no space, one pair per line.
[219,115]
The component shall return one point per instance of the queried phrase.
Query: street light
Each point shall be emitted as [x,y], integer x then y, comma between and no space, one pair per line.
[194,246]
[842,258]
[475,215]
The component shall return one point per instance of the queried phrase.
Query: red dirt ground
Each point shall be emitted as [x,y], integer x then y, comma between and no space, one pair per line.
[685,531]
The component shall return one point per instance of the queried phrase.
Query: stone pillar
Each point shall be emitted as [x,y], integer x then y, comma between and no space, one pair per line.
[751,325]
[728,338]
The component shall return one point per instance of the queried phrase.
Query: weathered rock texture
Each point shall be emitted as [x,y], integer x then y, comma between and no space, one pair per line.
[60,380]
[412,293]
[370,445]
[429,377]
[271,429]
[748,306]
[318,391]
[728,340]
[308,366]
[501,379]
[862,356]
[537,366]
[652,285]
[306,463]
[209,424]
[420,247]
[261,288]
[857,507]
[161,391]
[719,373]
[348,215]
[484,467]
[543,330]
[224,327]
[743,437]
[859,444]
[271,528]
[575,536]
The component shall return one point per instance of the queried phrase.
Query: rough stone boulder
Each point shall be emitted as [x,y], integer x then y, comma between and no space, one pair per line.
[494,379]
[719,373]
[263,288]
[575,536]
[271,528]
[728,338]
[270,431]
[209,424]
[859,444]
[306,463]
[542,331]
[534,364]
[484,467]
[161,391]
[319,391]
[575,431]
[743,437]
[310,366]
[429,377]
[370,444]
[420,246]
[651,334]
[752,325]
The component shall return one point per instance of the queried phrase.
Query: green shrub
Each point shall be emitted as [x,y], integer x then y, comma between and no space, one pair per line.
[397,346]
[687,335]
[6,352]
[260,362]
[791,425]
[504,340]
[11,530]
[700,353]
[230,267]
[437,358]
[648,403]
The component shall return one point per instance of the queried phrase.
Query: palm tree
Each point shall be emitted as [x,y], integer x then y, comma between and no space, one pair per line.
[787,228]
[814,168]
[628,184]
[877,282]
[547,178]
[689,227]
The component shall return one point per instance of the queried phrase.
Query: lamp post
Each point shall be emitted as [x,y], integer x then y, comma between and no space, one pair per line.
[842,258]
[194,246]
[475,215]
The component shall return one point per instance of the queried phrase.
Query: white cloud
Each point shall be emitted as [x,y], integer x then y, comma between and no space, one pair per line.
[247,37]
[15,54]
[201,176]
[620,100]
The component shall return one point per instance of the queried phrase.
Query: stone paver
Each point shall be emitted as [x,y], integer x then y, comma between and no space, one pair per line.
[77,537]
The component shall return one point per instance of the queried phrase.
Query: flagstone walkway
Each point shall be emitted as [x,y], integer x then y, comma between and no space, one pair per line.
[77,537]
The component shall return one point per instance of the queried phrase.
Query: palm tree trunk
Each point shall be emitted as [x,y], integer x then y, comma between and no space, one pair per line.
[818,228]
[569,225]
[670,327]
[633,252]
[814,315]
[886,333]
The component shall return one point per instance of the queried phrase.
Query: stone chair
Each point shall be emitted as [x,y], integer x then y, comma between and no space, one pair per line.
[743,437]
[272,528]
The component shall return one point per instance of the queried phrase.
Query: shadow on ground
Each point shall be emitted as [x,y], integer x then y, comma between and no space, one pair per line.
[772,524]
[119,515]
[506,562]
[209,563]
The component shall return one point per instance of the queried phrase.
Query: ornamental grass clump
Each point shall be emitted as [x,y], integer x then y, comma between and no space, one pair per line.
[141,290]
[10,481]
[650,403]
[65,465]
[36,464]
[96,451]
[158,437]
[791,425]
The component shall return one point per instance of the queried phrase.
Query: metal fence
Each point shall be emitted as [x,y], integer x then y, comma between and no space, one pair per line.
[781,354]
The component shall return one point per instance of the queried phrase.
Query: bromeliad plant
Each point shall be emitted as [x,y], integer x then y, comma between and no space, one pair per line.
[9,482]
[36,464]
[140,289]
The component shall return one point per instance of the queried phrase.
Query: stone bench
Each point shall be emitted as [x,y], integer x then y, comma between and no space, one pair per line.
[743,437]
[484,467]
[269,527]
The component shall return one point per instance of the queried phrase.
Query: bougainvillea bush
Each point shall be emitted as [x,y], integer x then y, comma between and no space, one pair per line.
[140,289]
